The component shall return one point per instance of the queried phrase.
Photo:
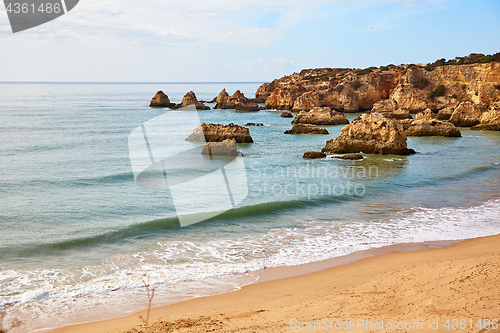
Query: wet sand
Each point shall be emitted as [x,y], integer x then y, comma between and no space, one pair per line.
[372,290]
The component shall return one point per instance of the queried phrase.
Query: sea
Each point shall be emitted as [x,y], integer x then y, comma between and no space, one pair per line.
[80,239]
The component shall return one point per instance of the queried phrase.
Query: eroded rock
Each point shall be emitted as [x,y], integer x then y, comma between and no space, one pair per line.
[427,114]
[314,154]
[190,99]
[306,129]
[489,121]
[370,133]
[225,148]
[218,133]
[445,114]
[467,114]
[237,102]
[321,116]
[161,100]
[432,127]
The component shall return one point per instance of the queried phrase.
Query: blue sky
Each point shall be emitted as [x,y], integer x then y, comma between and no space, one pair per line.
[244,40]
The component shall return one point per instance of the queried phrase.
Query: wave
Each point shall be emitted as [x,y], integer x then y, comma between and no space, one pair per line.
[149,229]
[157,227]
[116,178]
[437,181]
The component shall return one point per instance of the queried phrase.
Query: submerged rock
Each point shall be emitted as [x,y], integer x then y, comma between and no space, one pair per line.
[321,116]
[254,124]
[218,133]
[352,157]
[161,100]
[306,129]
[370,133]
[314,154]
[432,127]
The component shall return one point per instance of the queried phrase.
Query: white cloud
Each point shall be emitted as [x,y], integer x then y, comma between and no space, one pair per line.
[279,62]
[195,23]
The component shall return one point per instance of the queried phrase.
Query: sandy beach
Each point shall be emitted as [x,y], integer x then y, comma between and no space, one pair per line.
[451,289]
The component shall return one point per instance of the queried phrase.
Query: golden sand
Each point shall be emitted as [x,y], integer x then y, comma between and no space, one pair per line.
[433,290]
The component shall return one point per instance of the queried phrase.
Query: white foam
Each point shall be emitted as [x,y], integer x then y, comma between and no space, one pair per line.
[174,264]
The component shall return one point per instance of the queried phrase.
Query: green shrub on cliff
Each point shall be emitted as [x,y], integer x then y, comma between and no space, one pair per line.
[356,84]
[323,77]
[473,58]
[439,91]
[366,70]
[420,83]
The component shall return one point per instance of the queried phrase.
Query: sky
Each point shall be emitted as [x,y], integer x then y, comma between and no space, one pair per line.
[242,40]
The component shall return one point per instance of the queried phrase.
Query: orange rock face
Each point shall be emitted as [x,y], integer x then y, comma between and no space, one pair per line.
[219,133]
[467,114]
[412,87]
[370,133]
[320,116]
[306,129]
[190,99]
[489,121]
[160,100]
[432,127]
[238,102]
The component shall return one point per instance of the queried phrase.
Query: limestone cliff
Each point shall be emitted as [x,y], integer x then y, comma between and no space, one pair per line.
[410,87]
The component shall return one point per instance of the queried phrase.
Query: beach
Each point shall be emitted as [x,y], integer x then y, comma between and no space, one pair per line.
[249,166]
[446,289]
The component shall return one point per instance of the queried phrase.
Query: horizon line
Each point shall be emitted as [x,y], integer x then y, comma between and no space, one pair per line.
[132,82]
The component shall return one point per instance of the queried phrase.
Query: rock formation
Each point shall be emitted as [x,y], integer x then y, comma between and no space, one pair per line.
[254,124]
[314,154]
[390,107]
[161,100]
[287,115]
[467,114]
[238,102]
[320,116]
[224,148]
[306,129]
[432,127]
[406,123]
[489,121]
[386,105]
[218,133]
[427,114]
[190,99]
[413,88]
[445,114]
[370,133]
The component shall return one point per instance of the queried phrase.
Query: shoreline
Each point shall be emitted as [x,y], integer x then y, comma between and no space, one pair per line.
[281,277]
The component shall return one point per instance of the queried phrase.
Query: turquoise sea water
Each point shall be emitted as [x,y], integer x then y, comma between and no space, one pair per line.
[78,237]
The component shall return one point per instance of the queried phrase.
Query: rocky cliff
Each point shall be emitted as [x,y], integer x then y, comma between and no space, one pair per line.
[412,88]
